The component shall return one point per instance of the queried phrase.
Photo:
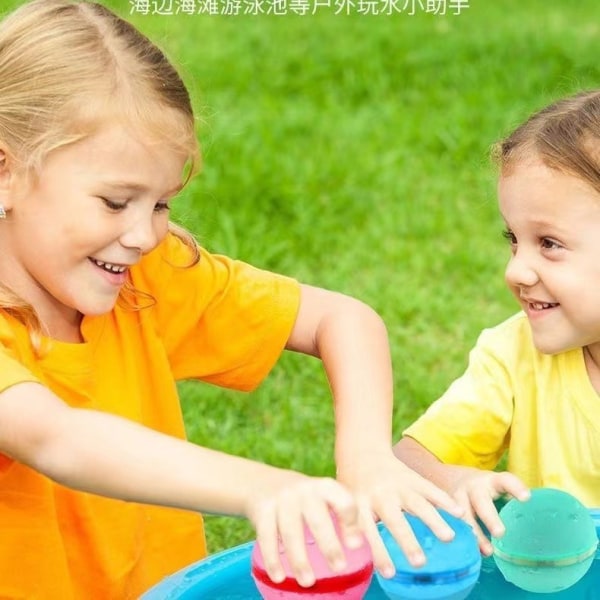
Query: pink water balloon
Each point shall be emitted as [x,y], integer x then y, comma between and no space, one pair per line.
[350,584]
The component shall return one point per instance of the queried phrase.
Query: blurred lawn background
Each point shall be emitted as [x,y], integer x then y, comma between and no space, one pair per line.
[352,152]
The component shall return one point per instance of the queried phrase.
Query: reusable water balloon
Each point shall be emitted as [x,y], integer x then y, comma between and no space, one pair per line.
[549,544]
[451,570]
[349,584]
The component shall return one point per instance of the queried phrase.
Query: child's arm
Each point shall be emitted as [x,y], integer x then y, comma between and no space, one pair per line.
[107,455]
[474,489]
[351,340]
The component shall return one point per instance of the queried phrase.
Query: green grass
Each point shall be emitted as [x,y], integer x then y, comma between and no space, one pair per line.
[352,153]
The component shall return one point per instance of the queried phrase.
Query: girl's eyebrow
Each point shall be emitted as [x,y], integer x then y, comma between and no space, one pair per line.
[139,187]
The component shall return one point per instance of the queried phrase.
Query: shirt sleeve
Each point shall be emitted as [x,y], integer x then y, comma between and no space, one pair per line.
[12,369]
[12,372]
[220,320]
[470,424]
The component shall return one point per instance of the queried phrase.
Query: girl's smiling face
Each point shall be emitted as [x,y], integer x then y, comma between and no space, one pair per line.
[73,231]
[553,225]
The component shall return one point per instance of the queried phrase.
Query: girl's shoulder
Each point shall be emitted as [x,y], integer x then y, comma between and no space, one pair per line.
[511,343]
[511,332]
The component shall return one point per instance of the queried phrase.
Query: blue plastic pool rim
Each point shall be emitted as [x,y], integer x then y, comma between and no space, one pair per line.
[188,578]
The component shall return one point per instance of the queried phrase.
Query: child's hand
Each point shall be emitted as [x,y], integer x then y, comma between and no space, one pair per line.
[475,490]
[385,488]
[279,516]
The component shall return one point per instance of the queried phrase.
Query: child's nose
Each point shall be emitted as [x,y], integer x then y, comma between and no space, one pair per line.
[520,272]
[141,234]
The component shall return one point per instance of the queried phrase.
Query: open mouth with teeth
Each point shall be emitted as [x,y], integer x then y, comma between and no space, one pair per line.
[111,268]
[542,305]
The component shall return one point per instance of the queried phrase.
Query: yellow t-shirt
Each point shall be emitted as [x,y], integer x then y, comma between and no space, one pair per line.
[541,408]
[220,321]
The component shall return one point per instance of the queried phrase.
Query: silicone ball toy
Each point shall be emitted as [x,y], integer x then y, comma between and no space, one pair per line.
[549,544]
[451,569]
[350,584]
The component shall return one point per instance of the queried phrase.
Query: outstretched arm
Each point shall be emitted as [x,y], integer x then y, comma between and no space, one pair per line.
[474,489]
[351,340]
[107,455]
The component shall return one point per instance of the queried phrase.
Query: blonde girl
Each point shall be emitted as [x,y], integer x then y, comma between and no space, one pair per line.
[104,305]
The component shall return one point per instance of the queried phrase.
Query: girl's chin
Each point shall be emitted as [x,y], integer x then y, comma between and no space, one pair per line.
[550,348]
[96,309]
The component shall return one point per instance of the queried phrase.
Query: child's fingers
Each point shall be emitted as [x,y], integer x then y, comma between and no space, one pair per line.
[430,516]
[441,499]
[483,507]
[402,532]
[291,532]
[470,517]
[381,558]
[485,546]
[507,483]
[425,492]
[313,506]
[322,529]
[482,499]
[344,506]
[268,540]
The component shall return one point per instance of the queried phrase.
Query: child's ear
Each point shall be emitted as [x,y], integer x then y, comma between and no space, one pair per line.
[6,178]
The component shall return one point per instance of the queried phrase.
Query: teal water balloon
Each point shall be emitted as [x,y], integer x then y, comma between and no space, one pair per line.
[549,544]
[451,570]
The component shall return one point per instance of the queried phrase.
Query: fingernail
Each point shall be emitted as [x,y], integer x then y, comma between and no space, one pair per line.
[388,571]
[277,576]
[417,559]
[306,579]
[498,531]
[339,564]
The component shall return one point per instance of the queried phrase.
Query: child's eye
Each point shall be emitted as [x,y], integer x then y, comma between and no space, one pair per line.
[550,244]
[161,207]
[114,205]
[507,234]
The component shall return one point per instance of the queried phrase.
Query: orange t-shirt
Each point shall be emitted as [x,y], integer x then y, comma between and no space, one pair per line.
[220,321]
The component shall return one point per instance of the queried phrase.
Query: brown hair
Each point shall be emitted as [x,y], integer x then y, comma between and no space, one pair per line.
[564,136]
[68,67]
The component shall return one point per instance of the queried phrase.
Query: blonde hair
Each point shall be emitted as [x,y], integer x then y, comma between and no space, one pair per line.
[68,67]
[564,136]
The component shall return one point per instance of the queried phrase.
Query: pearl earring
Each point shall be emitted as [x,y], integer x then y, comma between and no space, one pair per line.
[2,212]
